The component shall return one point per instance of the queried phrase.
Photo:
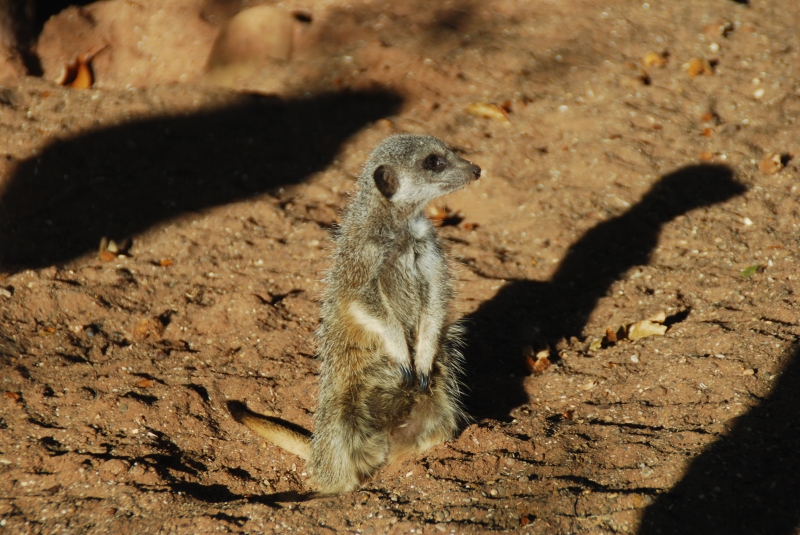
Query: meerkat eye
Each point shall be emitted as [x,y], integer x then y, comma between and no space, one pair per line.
[434,163]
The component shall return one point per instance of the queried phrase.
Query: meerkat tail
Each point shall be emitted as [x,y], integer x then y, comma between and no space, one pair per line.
[276,431]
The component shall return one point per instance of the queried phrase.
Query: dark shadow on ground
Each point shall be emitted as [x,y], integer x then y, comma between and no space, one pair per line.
[118,181]
[541,313]
[746,483]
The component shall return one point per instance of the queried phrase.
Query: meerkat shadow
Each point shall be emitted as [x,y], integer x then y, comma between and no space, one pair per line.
[747,481]
[542,313]
[119,181]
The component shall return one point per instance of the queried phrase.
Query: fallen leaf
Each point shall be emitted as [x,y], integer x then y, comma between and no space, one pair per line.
[697,66]
[78,73]
[654,59]
[145,383]
[488,111]
[444,216]
[706,156]
[105,256]
[13,395]
[645,328]
[165,262]
[542,362]
[771,164]
[148,327]
[568,415]
[708,132]
[640,329]
[751,270]
[536,363]
[595,344]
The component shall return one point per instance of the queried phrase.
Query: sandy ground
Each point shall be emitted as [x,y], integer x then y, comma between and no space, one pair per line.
[638,158]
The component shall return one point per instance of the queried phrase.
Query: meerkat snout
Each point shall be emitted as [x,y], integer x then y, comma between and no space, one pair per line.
[476,171]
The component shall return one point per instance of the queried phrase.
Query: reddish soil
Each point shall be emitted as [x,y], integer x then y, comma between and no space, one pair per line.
[613,189]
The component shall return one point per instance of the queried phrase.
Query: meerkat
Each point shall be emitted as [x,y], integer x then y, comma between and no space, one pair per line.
[390,365]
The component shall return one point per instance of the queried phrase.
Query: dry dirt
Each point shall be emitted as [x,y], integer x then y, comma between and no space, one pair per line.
[611,191]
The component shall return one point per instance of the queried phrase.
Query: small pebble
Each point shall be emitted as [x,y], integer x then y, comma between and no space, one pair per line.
[634,358]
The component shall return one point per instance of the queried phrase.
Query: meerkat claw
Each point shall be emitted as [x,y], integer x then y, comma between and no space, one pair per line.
[424,382]
[408,375]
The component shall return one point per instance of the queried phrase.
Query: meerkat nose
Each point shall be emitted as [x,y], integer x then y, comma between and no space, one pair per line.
[476,171]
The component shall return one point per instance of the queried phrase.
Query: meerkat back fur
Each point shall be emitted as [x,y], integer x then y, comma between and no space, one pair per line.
[390,366]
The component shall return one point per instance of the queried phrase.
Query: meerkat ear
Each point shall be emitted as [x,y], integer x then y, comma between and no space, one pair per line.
[385,181]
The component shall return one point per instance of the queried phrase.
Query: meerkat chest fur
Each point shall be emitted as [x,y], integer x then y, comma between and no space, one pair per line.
[413,274]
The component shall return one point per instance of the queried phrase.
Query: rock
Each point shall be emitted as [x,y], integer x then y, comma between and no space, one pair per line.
[253,38]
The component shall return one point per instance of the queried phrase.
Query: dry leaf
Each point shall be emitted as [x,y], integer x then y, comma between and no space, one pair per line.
[537,363]
[640,329]
[13,395]
[697,66]
[165,262]
[106,256]
[568,415]
[752,270]
[444,216]
[145,383]
[645,328]
[654,59]
[541,365]
[706,156]
[489,111]
[148,327]
[771,164]
[78,73]
[708,132]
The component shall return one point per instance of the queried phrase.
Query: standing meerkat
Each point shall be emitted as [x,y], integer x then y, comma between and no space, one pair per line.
[390,366]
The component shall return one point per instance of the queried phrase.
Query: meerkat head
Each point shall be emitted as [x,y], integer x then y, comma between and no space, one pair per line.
[410,170]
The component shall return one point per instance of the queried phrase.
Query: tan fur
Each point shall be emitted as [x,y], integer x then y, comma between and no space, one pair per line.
[390,366]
